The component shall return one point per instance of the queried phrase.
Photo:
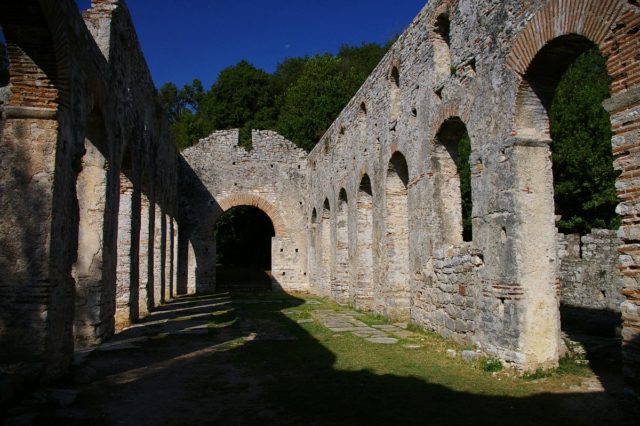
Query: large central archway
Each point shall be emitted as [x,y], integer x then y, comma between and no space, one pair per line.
[248,245]
[243,249]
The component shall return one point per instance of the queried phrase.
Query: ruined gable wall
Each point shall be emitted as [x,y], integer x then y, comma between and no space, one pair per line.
[218,174]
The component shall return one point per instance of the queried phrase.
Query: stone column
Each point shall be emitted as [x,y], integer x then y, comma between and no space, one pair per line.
[145,304]
[126,296]
[534,294]
[91,189]
[158,257]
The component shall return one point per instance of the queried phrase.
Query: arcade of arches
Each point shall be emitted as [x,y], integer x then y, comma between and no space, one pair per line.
[430,199]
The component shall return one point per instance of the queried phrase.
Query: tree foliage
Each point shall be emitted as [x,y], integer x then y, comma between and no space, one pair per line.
[300,99]
[584,177]
[464,171]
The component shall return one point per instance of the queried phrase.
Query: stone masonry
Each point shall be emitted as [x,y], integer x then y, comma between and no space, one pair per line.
[380,196]
[101,219]
[588,271]
[87,167]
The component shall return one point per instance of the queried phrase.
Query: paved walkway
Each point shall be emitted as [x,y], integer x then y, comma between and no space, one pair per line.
[341,322]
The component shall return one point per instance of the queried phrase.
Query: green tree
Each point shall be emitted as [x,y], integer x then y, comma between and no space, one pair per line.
[314,101]
[464,171]
[241,97]
[300,99]
[584,177]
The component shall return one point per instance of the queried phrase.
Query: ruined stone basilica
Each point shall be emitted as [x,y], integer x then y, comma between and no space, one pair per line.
[102,219]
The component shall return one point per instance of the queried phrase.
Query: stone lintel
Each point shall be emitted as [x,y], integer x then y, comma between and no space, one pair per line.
[17,112]
[528,141]
[622,100]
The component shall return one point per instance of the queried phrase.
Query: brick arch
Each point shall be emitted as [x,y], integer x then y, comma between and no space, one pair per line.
[447,111]
[37,54]
[252,200]
[605,22]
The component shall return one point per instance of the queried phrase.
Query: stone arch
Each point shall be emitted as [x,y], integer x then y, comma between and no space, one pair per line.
[324,250]
[394,89]
[447,183]
[552,39]
[594,19]
[362,295]
[396,292]
[440,37]
[252,200]
[340,285]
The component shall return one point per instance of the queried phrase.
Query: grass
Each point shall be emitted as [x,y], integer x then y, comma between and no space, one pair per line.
[324,377]
[321,367]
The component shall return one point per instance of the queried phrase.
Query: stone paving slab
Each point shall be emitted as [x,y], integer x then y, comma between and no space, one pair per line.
[382,340]
[341,322]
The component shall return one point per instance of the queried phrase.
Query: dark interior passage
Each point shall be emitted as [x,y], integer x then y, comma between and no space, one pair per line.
[243,249]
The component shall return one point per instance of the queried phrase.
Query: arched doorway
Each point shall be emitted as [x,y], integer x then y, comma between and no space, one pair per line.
[243,237]
[560,107]
[563,159]
[396,292]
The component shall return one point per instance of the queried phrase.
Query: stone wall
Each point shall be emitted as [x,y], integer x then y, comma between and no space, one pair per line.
[380,188]
[371,216]
[588,270]
[83,141]
[446,301]
[218,174]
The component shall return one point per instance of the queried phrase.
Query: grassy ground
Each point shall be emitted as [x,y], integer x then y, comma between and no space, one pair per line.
[262,360]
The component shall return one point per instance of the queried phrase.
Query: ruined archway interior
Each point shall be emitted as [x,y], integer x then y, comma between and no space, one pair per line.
[453,174]
[243,250]
[577,128]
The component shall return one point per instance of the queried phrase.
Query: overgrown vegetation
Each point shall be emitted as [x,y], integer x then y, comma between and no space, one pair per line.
[300,99]
[491,365]
[583,171]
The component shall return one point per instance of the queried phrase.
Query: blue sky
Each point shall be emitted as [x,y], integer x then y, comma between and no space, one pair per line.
[187,39]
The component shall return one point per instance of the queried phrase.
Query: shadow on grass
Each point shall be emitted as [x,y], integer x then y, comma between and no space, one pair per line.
[220,359]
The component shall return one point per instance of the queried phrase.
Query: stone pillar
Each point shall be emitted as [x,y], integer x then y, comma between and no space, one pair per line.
[362,295]
[91,189]
[534,295]
[174,258]
[126,289]
[158,257]
[166,258]
[396,292]
[192,286]
[340,280]
[312,258]
[144,304]
[36,234]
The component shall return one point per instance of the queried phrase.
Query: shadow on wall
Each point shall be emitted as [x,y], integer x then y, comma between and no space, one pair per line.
[24,206]
[197,209]
[253,364]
